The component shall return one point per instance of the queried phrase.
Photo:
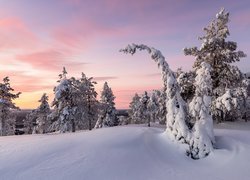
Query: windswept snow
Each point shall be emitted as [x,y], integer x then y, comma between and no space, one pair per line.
[129,152]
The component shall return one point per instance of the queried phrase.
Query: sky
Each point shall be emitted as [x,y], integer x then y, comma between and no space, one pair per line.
[39,37]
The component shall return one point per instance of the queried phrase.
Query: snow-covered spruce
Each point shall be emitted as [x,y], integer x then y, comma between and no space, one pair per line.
[42,112]
[144,108]
[134,110]
[201,143]
[153,107]
[107,110]
[176,108]
[7,119]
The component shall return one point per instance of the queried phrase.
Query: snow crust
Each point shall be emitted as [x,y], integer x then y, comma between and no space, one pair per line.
[128,152]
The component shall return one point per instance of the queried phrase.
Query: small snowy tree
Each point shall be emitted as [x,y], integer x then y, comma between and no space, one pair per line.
[161,111]
[42,112]
[7,120]
[134,110]
[144,108]
[225,105]
[30,122]
[107,111]
[201,143]
[153,107]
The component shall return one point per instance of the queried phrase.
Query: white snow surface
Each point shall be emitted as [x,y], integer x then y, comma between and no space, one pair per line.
[127,152]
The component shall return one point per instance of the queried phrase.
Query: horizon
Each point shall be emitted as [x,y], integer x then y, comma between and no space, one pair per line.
[39,38]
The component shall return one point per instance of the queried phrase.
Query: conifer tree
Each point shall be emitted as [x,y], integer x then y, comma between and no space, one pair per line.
[42,112]
[134,109]
[219,53]
[88,100]
[107,111]
[7,120]
[144,108]
[65,107]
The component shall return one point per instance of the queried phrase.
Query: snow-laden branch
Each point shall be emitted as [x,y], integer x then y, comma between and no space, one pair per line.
[176,108]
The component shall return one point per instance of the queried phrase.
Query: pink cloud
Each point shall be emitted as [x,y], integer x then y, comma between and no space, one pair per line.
[50,59]
[14,34]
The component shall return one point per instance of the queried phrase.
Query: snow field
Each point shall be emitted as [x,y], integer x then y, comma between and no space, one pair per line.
[129,152]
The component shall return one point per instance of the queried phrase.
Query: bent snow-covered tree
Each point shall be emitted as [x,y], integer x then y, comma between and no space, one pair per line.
[176,108]
[177,125]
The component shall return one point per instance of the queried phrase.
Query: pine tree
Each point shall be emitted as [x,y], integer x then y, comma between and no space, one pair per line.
[65,107]
[7,120]
[42,112]
[30,122]
[144,108]
[107,111]
[201,143]
[153,107]
[218,52]
[88,102]
[134,110]
[161,111]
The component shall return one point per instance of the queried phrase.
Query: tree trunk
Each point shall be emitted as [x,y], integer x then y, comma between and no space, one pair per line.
[73,125]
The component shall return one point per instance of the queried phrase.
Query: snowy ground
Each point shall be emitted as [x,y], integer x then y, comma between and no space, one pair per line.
[129,152]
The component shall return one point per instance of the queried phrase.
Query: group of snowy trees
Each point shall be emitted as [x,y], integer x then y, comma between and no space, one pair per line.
[213,90]
[148,108]
[75,107]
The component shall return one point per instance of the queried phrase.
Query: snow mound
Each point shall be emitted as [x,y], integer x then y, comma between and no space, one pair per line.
[129,152]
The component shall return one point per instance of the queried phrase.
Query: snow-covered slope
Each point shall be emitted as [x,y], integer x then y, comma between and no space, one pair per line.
[129,152]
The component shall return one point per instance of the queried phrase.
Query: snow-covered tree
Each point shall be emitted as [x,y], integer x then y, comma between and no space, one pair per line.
[226,106]
[107,111]
[176,108]
[139,112]
[65,107]
[88,103]
[42,112]
[144,108]
[7,120]
[218,52]
[186,83]
[134,109]
[30,122]
[201,143]
[161,111]
[153,107]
